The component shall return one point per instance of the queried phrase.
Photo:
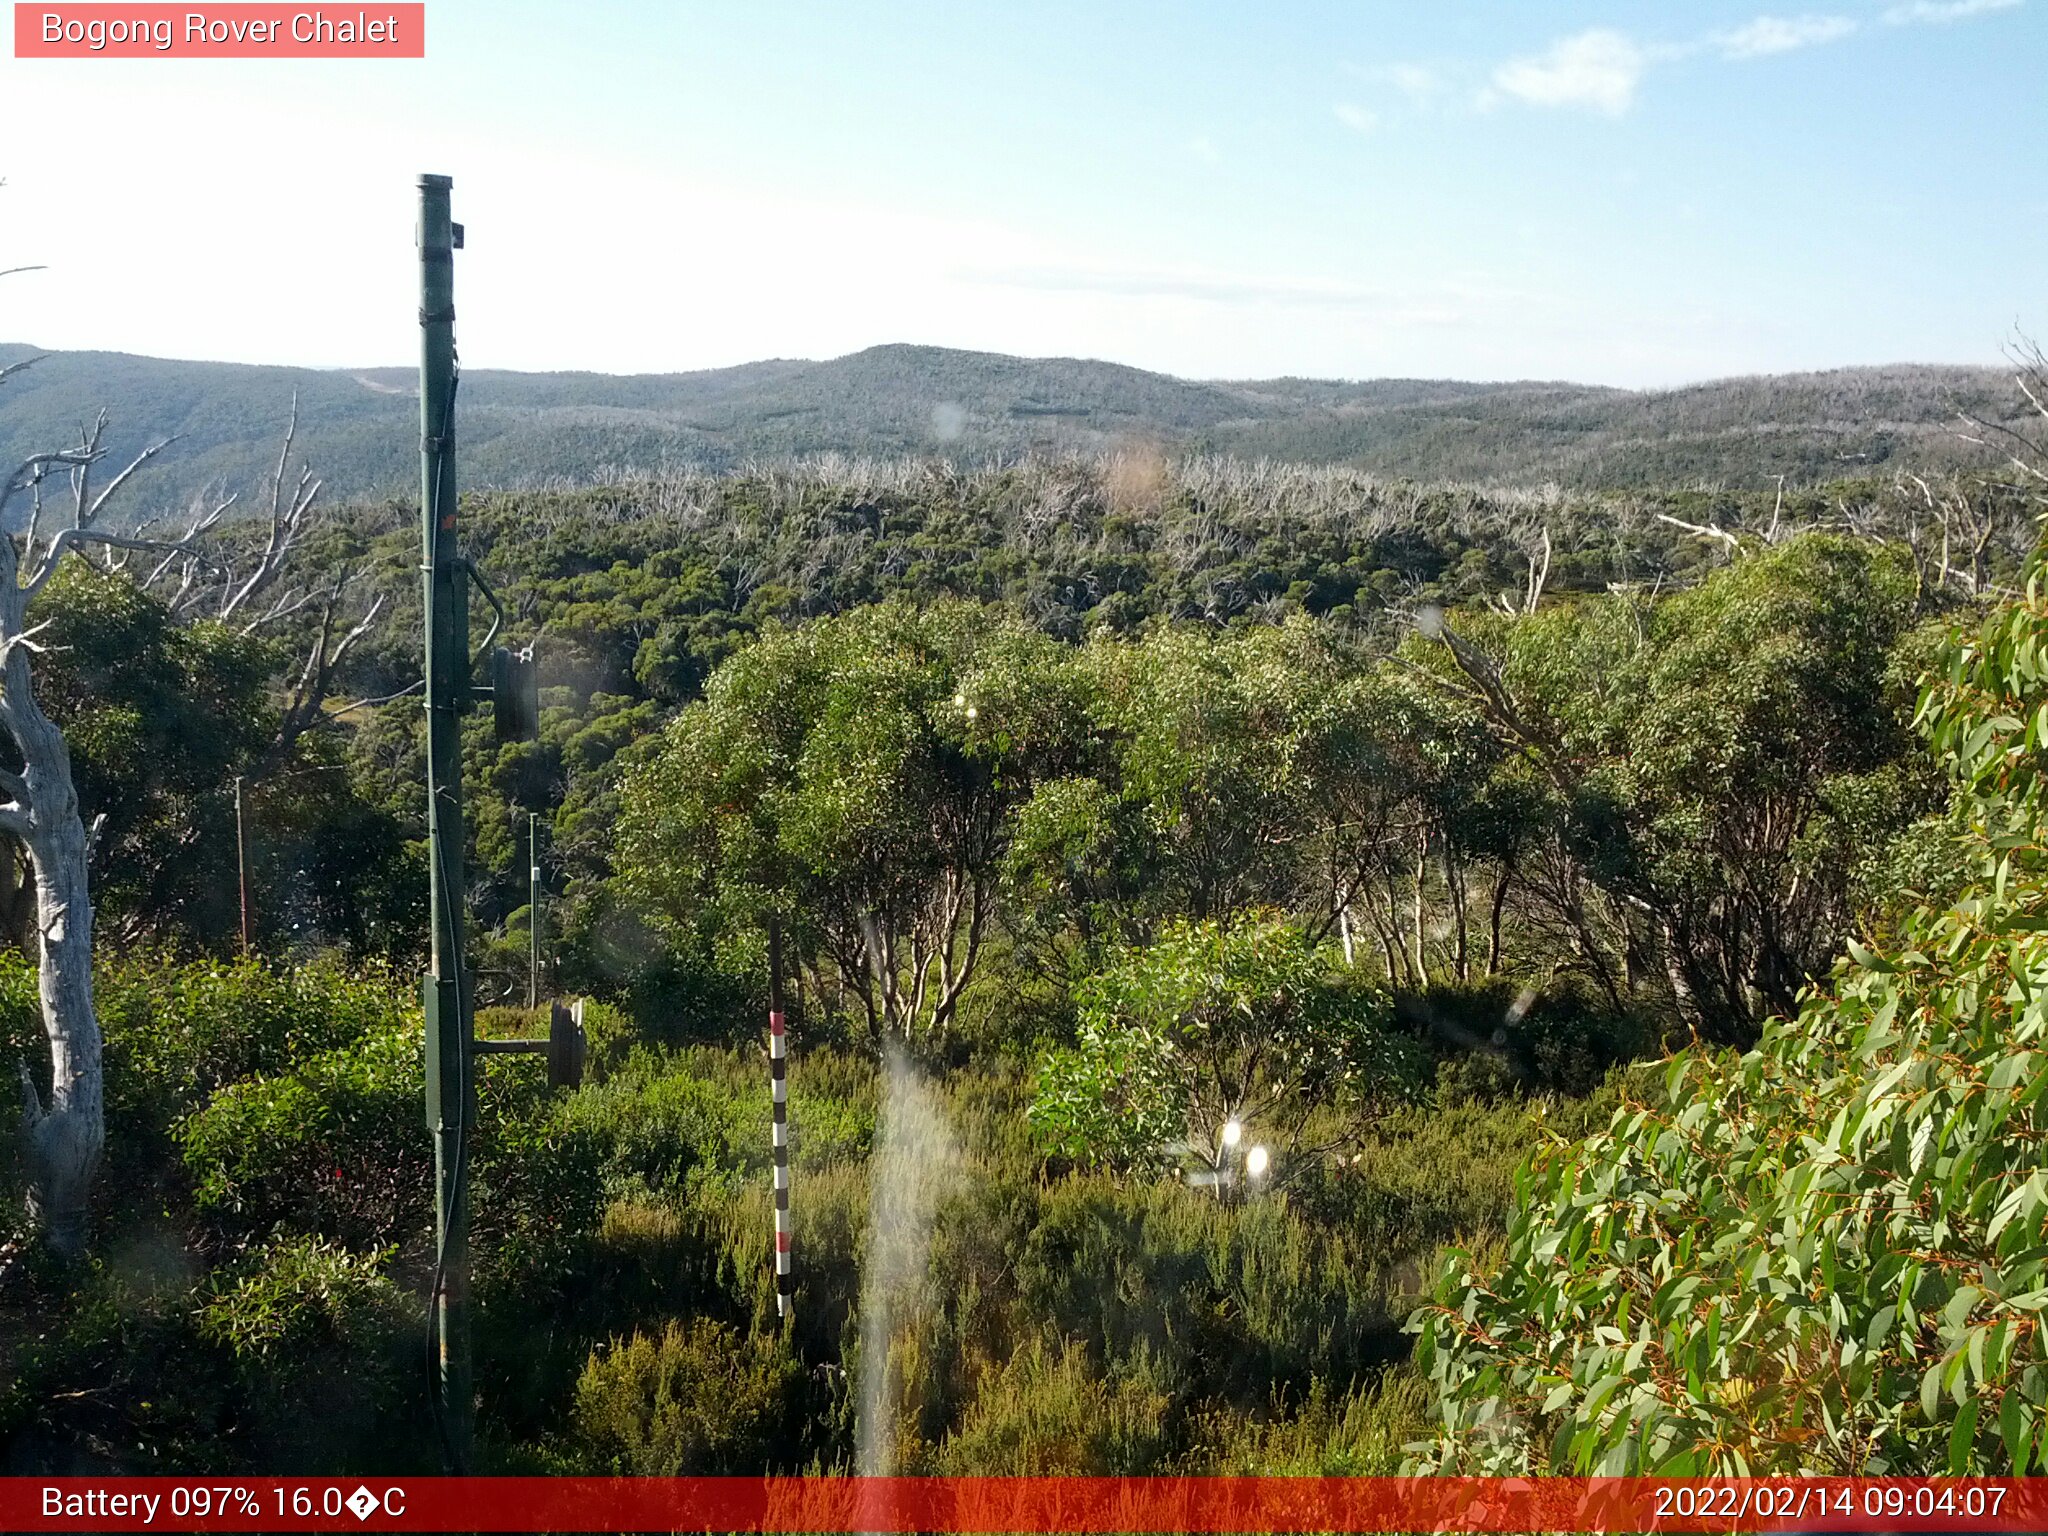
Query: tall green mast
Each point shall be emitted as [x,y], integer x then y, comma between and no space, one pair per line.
[451,1097]
[448,992]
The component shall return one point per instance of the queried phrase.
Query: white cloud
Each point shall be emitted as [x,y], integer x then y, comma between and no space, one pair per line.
[1601,69]
[1421,84]
[1418,82]
[1597,69]
[1921,12]
[1424,87]
[1782,34]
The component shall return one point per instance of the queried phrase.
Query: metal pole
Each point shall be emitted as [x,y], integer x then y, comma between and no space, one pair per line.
[450,1093]
[533,907]
[778,1069]
[242,861]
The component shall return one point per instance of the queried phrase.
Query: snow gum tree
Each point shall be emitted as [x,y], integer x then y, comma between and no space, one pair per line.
[63,1122]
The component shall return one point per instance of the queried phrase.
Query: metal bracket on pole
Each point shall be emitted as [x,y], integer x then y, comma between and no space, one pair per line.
[565,1047]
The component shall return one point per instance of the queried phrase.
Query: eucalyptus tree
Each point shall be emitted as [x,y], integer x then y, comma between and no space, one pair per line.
[1712,760]
[160,719]
[204,571]
[1280,766]
[261,572]
[1196,739]
[1829,1254]
[856,779]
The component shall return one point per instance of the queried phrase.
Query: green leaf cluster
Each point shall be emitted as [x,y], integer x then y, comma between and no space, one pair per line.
[1831,1252]
[1214,1022]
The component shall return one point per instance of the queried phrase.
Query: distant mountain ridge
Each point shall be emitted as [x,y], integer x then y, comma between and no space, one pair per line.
[358,427]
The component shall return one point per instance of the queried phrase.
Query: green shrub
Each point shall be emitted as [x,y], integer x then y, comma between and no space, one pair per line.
[696,1400]
[505,1023]
[1236,1299]
[648,1261]
[609,1033]
[337,1146]
[1361,1434]
[1240,1021]
[181,1031]
[324,1351]
[293,1300]
[299,1356]
[1434,1175]
[1052,1414]
[1482,1076]
[672,1119]
[734,1223]
[97,1354]
[658,1127]
[539,1181]
[177,1031]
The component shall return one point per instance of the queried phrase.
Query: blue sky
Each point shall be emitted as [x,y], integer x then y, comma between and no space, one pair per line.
[1623,193]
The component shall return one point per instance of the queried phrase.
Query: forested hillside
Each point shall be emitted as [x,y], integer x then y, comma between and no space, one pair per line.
[524,430]
[1200,883]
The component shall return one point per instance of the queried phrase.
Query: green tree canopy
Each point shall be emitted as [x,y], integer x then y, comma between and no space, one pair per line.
[1829,1253]
[1710,759]
[856,779]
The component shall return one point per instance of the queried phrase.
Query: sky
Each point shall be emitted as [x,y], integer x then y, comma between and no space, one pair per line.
[1640,194]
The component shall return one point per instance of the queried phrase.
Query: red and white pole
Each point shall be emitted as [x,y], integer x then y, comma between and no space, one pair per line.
[778,1070]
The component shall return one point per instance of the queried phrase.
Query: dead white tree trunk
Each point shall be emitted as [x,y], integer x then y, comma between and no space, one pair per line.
[64,1131]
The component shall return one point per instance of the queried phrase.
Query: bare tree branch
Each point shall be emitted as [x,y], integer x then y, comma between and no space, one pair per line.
[26,640]
[99,502]
[1704,530]
[288,522]
[66,537]
[37,467]
[389,698]
[204,520]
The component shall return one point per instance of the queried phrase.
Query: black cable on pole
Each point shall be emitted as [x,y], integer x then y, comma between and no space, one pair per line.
[459,1175]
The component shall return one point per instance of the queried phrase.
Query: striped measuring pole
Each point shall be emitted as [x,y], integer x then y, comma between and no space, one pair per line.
[778,1073]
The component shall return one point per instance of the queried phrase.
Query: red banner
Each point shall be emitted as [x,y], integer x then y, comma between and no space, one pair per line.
[379,31]
[992,1504]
